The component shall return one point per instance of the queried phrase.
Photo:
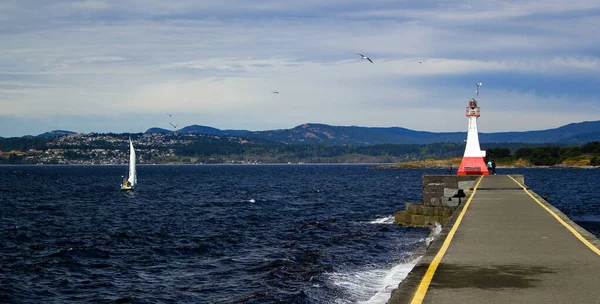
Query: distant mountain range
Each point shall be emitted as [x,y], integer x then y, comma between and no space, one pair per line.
[574,134]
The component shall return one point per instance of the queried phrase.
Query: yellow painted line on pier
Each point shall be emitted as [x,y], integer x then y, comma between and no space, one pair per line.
[571,229]
[426,281]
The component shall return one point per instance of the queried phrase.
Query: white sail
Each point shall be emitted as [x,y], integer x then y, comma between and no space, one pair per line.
[132,175]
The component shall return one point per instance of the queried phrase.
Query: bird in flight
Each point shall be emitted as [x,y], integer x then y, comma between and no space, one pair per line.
[275,92]
[169,115]
[365,57]
[478,85]
[422,61]
[174,126]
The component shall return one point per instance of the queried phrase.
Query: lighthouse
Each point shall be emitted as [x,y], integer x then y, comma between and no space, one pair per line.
[473,160]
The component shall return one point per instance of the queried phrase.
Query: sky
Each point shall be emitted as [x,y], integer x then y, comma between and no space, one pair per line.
[126,66]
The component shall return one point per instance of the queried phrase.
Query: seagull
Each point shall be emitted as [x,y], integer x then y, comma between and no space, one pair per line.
[174,126]
[275,92]
[169,115]
[478,85]
[365,57]
[422,61]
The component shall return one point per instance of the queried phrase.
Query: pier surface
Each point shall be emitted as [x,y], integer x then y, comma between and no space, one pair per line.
[506,245]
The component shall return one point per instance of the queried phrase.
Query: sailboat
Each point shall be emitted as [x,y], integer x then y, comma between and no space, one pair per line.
[131,180]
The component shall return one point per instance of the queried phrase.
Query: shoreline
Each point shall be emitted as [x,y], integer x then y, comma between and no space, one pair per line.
[498,167]
[386,166]
[262,164]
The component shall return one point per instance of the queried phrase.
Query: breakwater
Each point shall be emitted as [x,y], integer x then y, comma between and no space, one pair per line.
[505,244]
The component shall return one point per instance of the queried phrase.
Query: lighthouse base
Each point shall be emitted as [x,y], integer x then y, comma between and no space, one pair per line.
[472,166]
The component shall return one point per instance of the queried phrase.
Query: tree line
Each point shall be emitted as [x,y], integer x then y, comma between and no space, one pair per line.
[546,156]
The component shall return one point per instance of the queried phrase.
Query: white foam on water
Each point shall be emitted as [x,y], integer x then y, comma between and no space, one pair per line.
[372,286]
[383,220]
[435,232]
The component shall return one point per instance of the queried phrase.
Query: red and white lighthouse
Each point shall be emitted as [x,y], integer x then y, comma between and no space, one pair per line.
[473,160]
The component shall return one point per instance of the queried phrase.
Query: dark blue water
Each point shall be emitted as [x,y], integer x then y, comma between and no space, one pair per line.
[224,234]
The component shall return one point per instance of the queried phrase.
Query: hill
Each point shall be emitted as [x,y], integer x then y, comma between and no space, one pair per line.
[574,133]
[56,133]
[311,133]
[321,134]
[353,135]
[158,131]
[198,129]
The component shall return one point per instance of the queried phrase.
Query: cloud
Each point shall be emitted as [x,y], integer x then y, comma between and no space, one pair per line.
[95,59]
[218,62]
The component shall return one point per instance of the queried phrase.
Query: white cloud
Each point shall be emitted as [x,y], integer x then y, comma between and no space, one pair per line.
[467,12]
[219,61]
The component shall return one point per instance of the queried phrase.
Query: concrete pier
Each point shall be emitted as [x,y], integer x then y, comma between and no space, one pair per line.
[505,244]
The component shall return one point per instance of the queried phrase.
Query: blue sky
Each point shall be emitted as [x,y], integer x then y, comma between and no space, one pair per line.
[121,66]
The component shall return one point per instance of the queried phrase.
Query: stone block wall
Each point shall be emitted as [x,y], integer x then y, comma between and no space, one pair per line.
[419,215]
[441,195]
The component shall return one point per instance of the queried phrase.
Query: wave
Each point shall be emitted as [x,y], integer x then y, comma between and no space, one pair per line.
[435,232]
[371,286]
[374,286]
[383,220]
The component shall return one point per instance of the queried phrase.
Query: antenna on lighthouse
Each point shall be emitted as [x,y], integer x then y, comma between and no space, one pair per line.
[472,162]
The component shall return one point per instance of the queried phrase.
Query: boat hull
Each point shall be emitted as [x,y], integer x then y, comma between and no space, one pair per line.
[126,188]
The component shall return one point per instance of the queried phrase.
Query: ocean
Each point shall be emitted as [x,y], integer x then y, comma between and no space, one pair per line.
[226,233]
